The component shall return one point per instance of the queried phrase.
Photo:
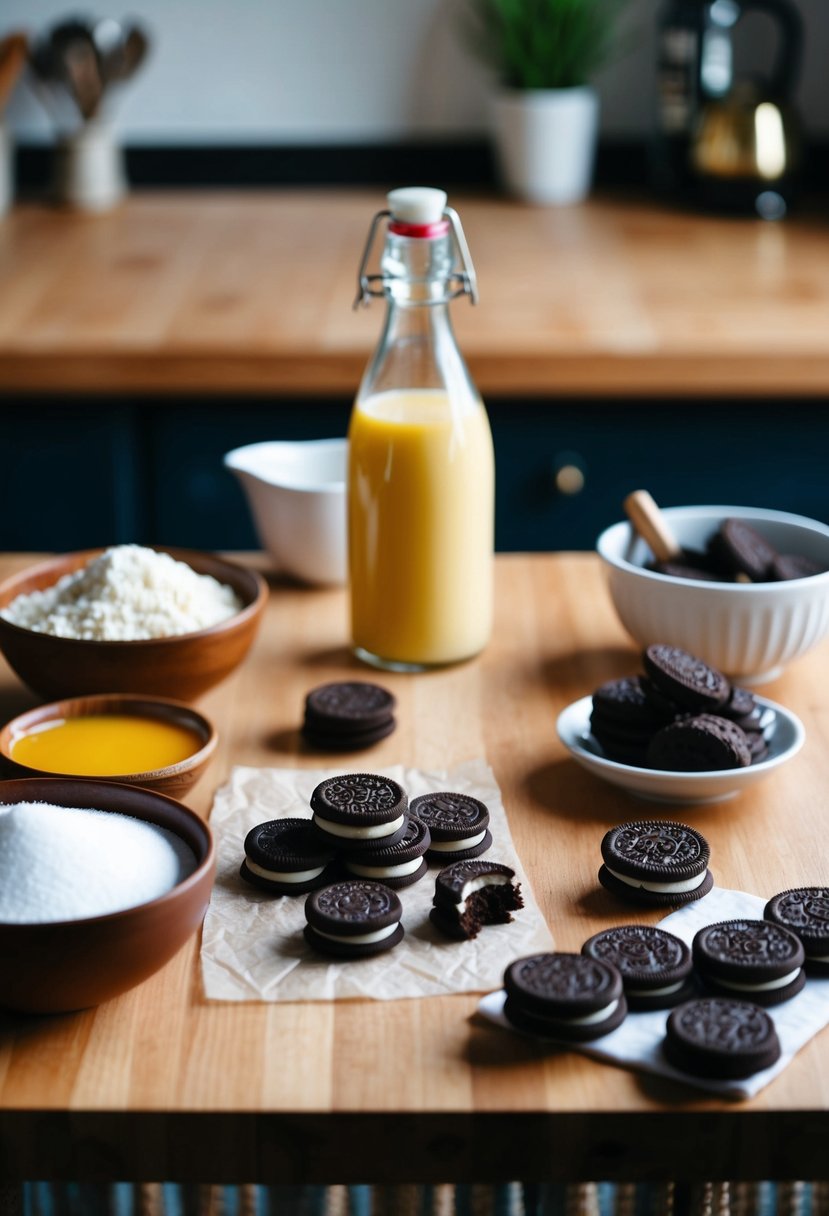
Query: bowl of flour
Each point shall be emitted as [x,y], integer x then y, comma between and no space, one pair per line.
[100,885]
[129,619]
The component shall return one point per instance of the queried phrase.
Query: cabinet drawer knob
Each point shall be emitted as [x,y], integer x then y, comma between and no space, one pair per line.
[569,478]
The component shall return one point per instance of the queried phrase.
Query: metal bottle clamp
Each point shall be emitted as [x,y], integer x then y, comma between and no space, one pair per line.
[465,278]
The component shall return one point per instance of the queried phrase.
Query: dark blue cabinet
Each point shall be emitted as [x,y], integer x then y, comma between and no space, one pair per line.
[77,474]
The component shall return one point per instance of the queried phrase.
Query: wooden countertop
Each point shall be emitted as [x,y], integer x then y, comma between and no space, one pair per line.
[251,293]
[160,1084]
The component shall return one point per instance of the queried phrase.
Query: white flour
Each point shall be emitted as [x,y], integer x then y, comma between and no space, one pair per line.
[62,863]
[126,594]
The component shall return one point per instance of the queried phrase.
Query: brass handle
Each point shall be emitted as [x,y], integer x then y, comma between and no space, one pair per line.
[569,478]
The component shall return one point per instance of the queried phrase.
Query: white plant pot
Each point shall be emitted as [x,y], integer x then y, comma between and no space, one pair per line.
[89,168]
[546,142]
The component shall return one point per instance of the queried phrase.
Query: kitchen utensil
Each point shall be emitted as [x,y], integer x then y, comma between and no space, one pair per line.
[121,51]
[652,526]
[88,59]
[13,51]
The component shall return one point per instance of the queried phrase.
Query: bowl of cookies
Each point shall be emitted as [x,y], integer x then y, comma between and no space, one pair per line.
[745,589]
[129,619]
[679,731]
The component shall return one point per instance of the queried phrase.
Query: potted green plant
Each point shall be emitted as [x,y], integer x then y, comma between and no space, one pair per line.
[546,113]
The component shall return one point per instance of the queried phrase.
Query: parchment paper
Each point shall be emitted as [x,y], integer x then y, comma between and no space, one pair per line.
[253,947]
[637,1043]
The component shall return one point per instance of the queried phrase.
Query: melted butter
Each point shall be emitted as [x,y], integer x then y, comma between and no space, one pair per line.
[105,745]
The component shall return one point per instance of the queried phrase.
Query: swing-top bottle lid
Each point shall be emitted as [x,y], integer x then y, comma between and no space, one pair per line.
[417,204]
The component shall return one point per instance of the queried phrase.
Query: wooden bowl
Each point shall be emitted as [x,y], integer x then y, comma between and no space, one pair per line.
[173,780]
[183,666]
[65,965]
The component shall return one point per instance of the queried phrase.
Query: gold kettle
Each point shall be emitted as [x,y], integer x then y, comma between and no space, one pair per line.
[745,135]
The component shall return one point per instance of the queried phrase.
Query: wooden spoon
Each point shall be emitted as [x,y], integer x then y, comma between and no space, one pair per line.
[652,526]
[13,51]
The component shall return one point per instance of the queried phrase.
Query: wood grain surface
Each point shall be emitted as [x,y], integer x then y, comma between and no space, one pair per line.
[159,1084]
[251,293]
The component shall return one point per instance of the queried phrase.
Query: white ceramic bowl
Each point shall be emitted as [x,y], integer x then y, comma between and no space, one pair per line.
[785,737]
[297,496]
[747,630]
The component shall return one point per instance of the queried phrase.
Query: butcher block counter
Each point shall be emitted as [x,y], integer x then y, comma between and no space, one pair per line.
[161,1084]
[250,293]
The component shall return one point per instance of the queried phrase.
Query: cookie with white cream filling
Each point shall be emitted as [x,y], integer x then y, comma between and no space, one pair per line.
[285,857]
[656,862]
[564,996]
[398,865]
[753,960]
[458,824]
[471,894]
[353,918]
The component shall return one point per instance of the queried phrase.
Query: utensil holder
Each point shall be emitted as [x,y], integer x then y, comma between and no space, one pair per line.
[89,170]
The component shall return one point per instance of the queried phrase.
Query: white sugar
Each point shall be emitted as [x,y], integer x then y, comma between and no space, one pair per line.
[62,863]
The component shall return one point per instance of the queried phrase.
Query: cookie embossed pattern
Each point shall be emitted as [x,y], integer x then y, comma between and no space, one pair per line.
[253,945]
[681,733]
[639,1042]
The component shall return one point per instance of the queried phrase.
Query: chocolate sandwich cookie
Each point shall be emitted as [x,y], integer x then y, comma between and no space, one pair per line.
[718,1037]
[752,959]
[685,569]
[564,996]
[655,966]
[470,894]
[741,707]
[738,549]
[284,857]
[655,862]
[458,824]
[341,742]
[786,566]
[805,912]
[347,715]
[699,744]
[685,679]
[354,918]
[397,865]
[359,811]
[757,745]
[622,720]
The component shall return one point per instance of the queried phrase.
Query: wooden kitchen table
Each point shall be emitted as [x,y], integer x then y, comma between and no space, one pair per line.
[160,1084]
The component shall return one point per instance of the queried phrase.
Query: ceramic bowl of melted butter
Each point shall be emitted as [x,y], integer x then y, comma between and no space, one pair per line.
[154,742]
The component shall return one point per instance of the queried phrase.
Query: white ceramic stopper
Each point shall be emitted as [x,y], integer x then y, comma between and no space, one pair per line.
[417,204]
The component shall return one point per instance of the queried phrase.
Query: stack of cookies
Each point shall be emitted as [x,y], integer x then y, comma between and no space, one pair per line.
[362,823]
[348,716]
[682,716]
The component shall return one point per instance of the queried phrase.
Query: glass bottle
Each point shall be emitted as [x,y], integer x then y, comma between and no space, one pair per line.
[421,466]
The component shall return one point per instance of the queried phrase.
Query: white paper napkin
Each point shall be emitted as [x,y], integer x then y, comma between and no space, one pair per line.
[637,1042]
[253,947]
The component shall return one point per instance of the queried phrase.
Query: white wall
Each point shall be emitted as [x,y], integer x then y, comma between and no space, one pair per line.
[305,71]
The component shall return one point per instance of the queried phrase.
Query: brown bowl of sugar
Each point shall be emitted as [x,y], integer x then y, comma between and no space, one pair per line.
[100,885]
[170,623]
[154,742]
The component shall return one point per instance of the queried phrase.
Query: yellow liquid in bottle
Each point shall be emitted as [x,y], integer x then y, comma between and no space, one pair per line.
[105,745]
[421,493]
